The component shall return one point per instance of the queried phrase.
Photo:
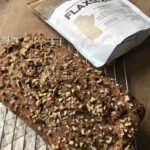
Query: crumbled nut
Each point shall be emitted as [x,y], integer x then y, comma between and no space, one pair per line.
[89,131]
[92,99]
[65,113]
[122,120]
[92,120]
[72,90]
[55,146]
[114,99]
[23,51]
[35,81]
[71,143]
[89,107]
[113,113]
[81,144]
[61,107]
[106,91]
[60,99]
[38,103]
[74,128]
[76,145]
[125,130]
[18,83]
[78,87]
[3,69]
[99,110]
[86,120]
[12,102]
[80,106]
[69,85]
[49,133]
[127,98]
[129,135]
[127,147]
[16,108]
[56,108]
[29,45]
[44,101]
[119,103]
[54,114]
[100,140]
[39,128]
[102,91]
[132,129]
[117,84]
[109,140]
[30,71]
[88,69]
[63,140]
[93,148]
[129,118]
[121,126]
[122,134]
[99,72]
[82,131]
[99,81]
[37,112]
[68,94]
[127,124]
[130,105]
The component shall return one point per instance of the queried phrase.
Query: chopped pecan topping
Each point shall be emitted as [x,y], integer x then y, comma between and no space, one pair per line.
[68,100]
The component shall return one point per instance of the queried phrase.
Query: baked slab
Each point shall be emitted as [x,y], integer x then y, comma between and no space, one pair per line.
[71,104]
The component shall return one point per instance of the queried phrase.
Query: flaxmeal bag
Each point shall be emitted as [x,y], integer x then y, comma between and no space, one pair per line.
[101,30]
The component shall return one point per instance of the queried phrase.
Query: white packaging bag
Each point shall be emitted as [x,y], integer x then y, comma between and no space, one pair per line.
[101,30]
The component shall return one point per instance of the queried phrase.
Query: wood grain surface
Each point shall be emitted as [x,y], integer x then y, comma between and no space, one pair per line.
[16,19]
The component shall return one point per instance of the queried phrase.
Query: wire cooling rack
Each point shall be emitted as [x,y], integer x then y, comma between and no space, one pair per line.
[15,134]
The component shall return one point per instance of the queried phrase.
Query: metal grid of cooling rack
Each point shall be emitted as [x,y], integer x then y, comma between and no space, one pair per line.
[15,134]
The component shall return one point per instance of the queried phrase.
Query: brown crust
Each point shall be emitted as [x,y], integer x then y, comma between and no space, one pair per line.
[71,104]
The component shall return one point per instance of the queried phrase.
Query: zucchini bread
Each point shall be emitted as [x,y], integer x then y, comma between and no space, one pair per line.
[71,104]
